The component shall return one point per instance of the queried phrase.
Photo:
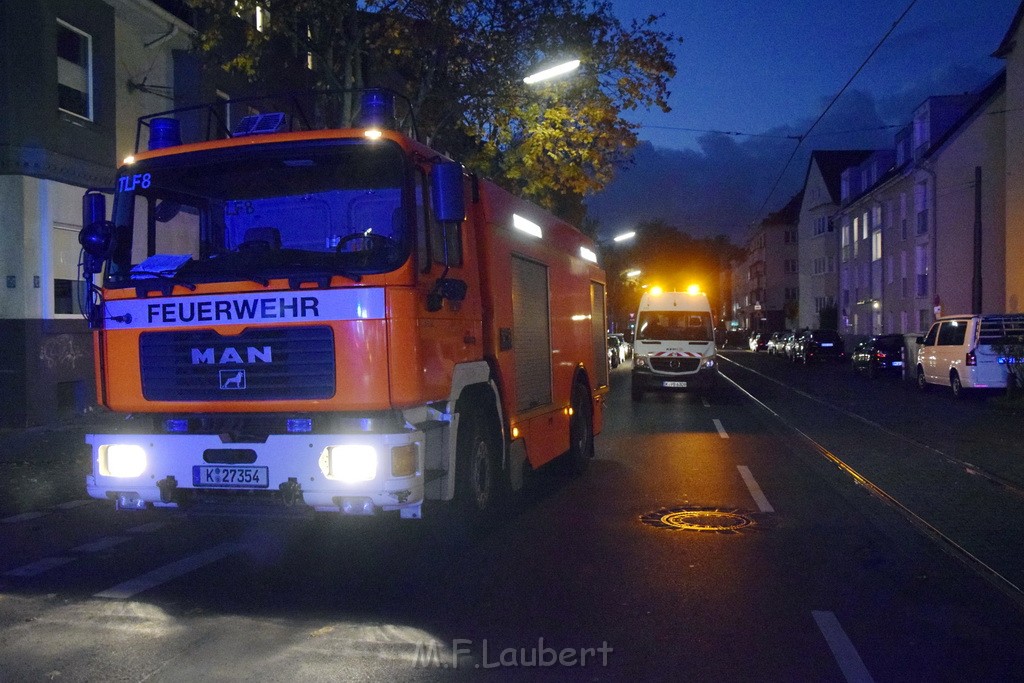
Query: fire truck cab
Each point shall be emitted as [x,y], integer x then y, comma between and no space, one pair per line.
[332,320]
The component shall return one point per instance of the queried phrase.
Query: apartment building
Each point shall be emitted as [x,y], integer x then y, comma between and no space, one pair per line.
[1012,52]
[908,219]
[818,250]
[67,111]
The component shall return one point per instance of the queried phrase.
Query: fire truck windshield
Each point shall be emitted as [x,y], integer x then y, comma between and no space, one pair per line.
[262,211]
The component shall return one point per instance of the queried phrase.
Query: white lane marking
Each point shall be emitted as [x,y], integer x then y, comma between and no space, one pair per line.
[147,528]
[846,655]
[704,400]
[38,567]
[23,517]
[721,430]
[101,544]
[127,589]
[72,504]
[755,489]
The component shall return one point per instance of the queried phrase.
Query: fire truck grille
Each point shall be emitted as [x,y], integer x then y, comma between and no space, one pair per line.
[674,364]
[259,364]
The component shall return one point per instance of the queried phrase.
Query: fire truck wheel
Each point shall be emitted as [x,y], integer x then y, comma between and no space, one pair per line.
[478,470]
[581,430]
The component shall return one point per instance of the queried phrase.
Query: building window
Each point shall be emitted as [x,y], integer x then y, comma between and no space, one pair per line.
[921,207]
[831,267]
[876,245]
[67,296]
[921,260]
[74,71]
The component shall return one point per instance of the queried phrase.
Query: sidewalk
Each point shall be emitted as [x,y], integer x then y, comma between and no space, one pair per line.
[60,441]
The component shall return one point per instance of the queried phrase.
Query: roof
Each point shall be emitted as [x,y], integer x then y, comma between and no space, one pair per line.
[832,163]
[1009,40]
[787,215]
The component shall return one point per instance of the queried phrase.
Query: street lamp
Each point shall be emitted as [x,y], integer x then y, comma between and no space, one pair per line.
[554,71]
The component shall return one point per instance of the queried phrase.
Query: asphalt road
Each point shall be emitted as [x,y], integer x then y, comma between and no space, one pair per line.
[839,536]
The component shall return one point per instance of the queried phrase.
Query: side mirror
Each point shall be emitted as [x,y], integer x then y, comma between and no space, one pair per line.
[446,192]
[97,234]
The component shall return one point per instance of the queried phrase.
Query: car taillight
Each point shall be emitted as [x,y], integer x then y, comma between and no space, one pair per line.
[972,359]
[879,355]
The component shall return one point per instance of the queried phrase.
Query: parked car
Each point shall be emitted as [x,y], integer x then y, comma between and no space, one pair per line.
[735,339]
[758,341]
[775,342]
[788,345]
[615,351]
[820,345]
[625,348]
[963,352]
[879,355]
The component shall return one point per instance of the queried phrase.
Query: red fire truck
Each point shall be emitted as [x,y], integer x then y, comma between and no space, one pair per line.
[333,320]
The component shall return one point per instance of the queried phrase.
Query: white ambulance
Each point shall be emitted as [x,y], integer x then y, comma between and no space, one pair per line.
[674,344]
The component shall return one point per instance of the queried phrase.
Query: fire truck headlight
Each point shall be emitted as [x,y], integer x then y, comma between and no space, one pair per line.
[125,461]
[350,463]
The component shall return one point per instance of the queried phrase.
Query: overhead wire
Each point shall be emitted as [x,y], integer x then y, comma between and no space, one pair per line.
[829,106]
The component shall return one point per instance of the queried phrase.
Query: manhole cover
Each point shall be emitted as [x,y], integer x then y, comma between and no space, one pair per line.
[698,519]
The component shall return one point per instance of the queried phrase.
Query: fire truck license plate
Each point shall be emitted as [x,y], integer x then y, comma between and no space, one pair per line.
[227,476]
[674,385]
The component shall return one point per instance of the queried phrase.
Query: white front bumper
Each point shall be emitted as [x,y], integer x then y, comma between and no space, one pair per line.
[290,459]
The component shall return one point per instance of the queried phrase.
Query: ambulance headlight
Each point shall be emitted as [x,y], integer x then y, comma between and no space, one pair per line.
[125,461]
[350,463]
[640,361]
[707,363]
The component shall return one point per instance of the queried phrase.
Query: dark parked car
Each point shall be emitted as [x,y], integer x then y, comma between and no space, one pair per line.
[735,339]
[815,345]
[879,355]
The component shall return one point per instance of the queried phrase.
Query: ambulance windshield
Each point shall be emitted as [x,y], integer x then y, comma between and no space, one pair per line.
[674,326]
[283,210]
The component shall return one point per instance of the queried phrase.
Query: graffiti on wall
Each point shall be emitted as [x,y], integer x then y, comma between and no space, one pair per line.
[63,352]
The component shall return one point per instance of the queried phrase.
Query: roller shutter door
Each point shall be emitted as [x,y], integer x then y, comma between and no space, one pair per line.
[531,333]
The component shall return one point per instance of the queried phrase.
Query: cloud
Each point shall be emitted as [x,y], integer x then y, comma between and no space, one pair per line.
[722,188]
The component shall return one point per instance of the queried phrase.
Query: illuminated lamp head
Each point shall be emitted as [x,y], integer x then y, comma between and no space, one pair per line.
[656,290]
[693,289]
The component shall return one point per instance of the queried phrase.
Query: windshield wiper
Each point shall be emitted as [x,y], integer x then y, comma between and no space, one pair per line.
[163,281]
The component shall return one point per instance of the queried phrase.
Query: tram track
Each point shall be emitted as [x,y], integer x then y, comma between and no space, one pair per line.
[968,467]
[947,543]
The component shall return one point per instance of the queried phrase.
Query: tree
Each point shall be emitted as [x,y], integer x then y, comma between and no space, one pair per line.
[669,258]
[460,63]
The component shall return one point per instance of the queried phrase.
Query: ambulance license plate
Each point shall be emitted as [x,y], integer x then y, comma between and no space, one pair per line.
[230,477]
[674,385]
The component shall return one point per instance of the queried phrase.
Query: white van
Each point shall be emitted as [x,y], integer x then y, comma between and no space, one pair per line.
[674,344]
[962,352]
